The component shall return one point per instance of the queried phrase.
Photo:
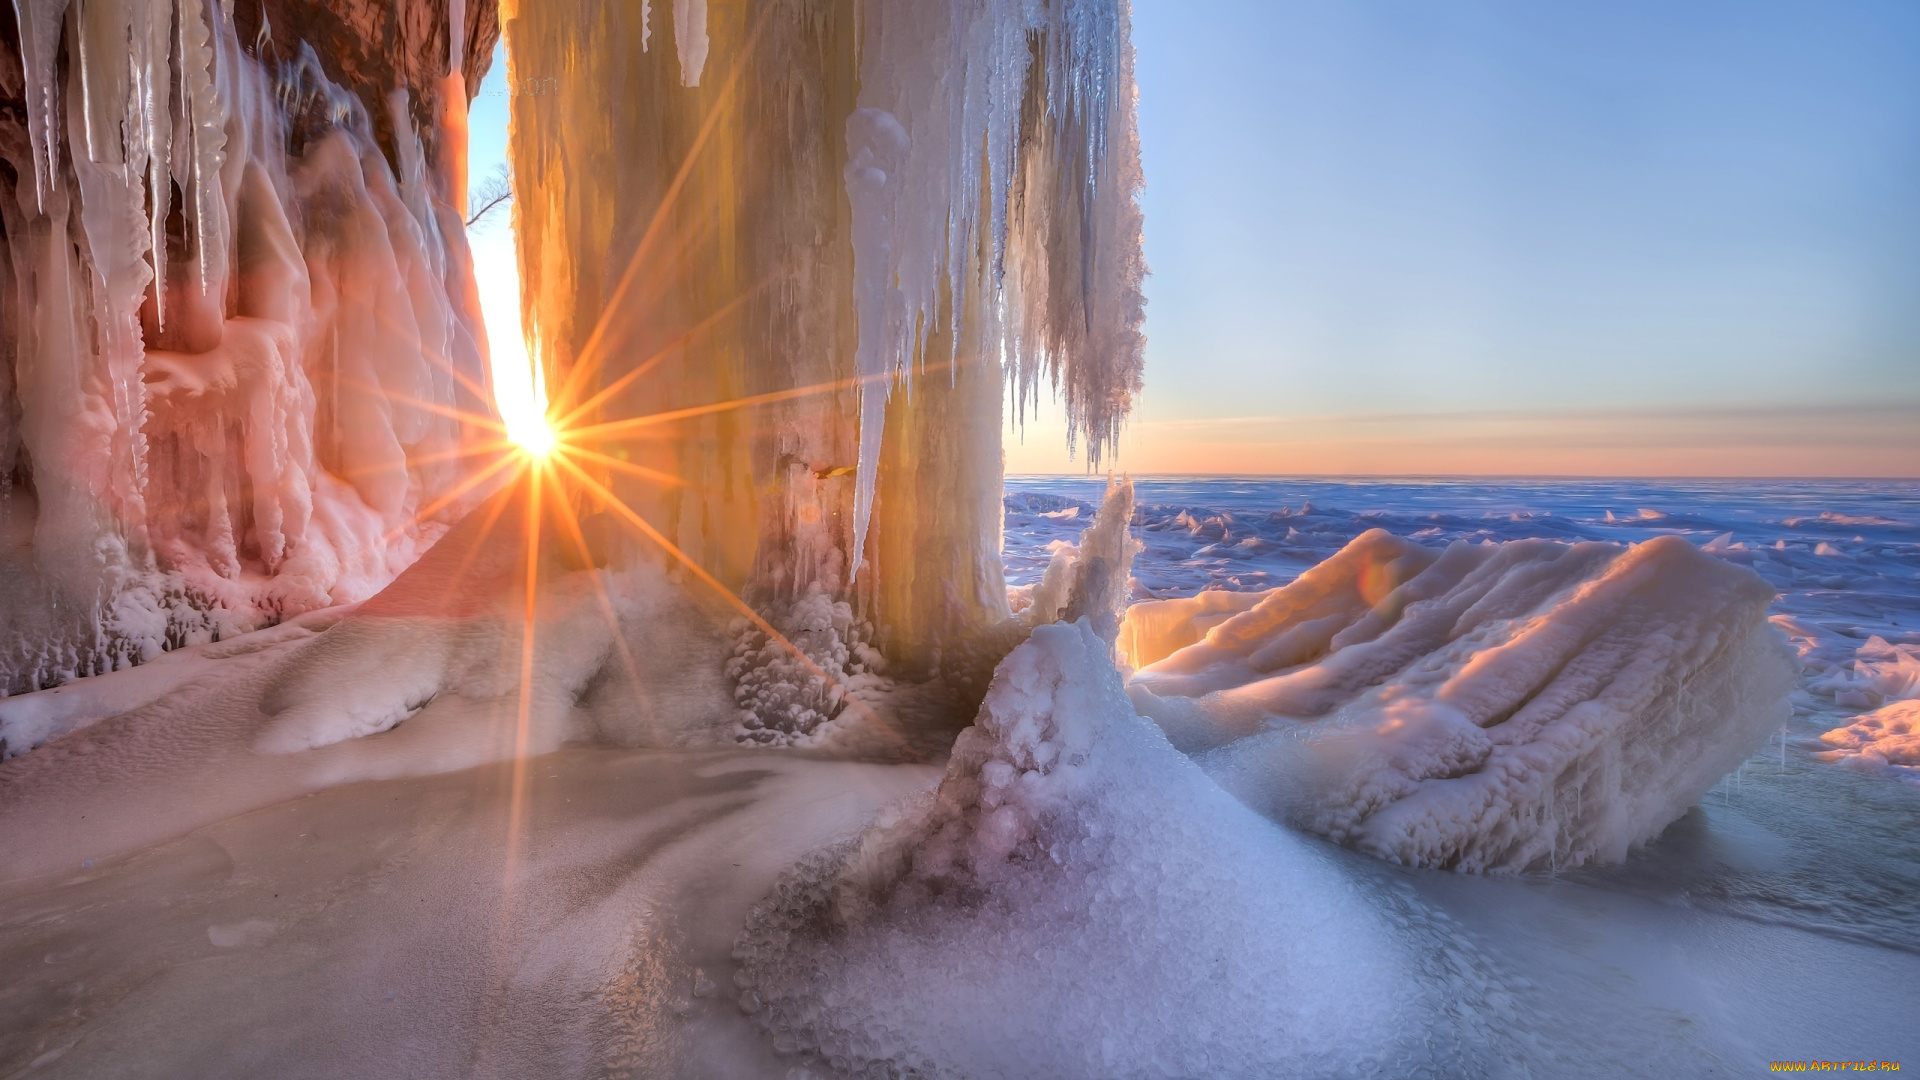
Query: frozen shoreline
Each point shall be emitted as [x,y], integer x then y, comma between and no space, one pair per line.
[178,903]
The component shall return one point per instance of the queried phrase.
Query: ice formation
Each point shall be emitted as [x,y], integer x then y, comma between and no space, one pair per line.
[1879,672]
[867,216]
[1489,707]
[1886,738]
[236,323]
[1883,678]
[1088,579]
[788,699]
[1079,900]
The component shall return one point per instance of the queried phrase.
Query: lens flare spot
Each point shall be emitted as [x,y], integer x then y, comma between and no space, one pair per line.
[531,432]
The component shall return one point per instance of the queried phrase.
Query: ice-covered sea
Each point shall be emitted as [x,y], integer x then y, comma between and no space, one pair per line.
[1794,838]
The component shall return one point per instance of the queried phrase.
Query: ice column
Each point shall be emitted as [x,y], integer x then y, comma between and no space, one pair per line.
[916,203]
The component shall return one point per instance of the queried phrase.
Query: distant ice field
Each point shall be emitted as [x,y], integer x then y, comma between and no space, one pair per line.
[1804,836]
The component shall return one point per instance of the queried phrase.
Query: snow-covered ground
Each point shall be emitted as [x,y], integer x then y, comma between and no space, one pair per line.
[316,851]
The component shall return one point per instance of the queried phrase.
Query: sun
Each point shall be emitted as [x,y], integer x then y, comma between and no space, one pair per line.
[520,396]
[532,433]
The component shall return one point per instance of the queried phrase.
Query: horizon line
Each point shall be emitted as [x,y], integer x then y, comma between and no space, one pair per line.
[1091,475]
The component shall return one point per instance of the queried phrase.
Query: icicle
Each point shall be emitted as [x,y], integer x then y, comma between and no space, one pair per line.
[157,129]
[876,147]
[646,23]
[988,225]
[456,36]
[957,79]
[206,130]
[102,38]
[39,22]
[145,544]
[690,35]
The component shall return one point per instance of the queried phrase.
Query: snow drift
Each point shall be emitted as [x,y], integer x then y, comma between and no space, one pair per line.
[1076,900]
[1527,705]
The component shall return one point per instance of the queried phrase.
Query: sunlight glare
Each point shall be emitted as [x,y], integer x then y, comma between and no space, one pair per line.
[520,394]
[527,427]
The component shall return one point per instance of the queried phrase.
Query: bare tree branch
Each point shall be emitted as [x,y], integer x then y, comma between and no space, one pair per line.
[496,189]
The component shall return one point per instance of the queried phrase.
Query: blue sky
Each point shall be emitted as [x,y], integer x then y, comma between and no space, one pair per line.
[495,269]
[1481,215]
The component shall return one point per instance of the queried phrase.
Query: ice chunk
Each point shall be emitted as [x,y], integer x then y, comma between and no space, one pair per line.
[1528,705]
[1879,672]
[1884,678]
[1089,578]
[1887,739]
[1155,629]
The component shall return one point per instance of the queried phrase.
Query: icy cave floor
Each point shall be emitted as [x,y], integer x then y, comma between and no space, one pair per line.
[373,929]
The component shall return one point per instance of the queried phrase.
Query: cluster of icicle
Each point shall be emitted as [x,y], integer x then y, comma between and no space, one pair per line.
[1003,127]
[235,336]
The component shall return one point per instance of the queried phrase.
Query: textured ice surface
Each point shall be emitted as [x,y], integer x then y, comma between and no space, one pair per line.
[1078,900]
[238,335]
[1843,556]
[1887,738]
[381,929]
[792,700]
[1529,705]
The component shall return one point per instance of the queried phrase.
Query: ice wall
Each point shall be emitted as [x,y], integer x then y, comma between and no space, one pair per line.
[920,204]
[239,327]
[1488,707]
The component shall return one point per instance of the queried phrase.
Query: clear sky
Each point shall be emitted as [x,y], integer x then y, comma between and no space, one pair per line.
[495,269]
[1640,237]
[1518,237]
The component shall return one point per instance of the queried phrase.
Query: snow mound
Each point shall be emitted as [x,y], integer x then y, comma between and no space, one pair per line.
[618,655]
[29,721]
[1489,707]
[1077,899]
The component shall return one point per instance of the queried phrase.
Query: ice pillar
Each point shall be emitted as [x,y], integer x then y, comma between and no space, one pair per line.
[873,218]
